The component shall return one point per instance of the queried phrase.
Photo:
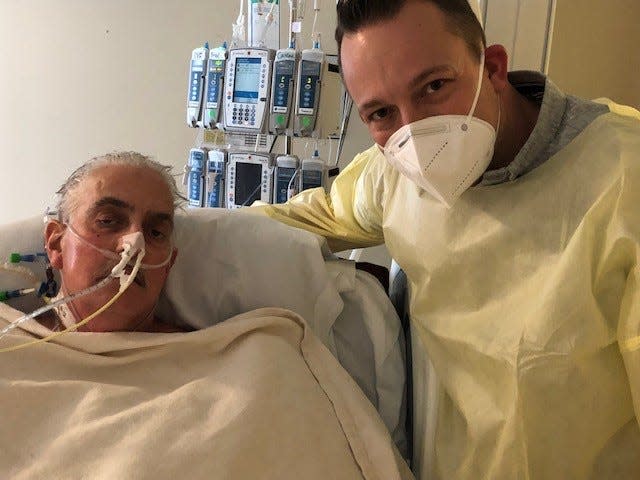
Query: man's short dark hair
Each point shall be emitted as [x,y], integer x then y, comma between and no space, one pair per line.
[353,15]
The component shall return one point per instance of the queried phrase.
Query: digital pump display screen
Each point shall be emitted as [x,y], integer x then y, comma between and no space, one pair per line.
[196,81]
[248,183]
[216,70]
[247,80]
[310,73]
[284,74]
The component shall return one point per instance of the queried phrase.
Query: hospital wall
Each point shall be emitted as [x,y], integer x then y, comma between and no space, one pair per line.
[594,52]
[79,78]
[82,77]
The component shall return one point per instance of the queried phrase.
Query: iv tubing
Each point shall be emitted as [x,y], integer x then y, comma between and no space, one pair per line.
[315,36]
[238,28]
[68,299]
[21,271]
[291,13]
[295,174]
[268,23]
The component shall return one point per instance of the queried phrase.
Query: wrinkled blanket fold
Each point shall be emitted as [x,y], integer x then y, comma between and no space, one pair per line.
[257,396]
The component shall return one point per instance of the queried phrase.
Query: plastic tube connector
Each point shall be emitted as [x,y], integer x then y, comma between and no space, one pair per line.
[32,257]
[8,294]
[131,244]
[135,243]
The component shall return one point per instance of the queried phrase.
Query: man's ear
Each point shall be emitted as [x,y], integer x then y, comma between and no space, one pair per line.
[496,61]
[53,234]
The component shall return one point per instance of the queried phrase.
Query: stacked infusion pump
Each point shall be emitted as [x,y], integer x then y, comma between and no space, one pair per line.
[253,91]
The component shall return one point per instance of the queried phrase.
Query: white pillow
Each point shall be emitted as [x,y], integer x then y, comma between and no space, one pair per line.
[229,262]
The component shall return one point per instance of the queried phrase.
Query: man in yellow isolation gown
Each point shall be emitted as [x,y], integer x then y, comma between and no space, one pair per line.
[514,210]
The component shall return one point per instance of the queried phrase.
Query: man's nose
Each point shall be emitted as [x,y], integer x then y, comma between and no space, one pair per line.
[411,113]
[130,235]
[406,115]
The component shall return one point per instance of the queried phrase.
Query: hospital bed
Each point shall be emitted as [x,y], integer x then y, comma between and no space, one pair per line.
[229,263]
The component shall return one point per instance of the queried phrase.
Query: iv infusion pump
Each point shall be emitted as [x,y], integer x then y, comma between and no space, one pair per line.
[250,91]
[231,179]
[249,178]
[214,87]
[308,92]
[284,68]
[214,179]
[247,87]
[196,85]
[195,180]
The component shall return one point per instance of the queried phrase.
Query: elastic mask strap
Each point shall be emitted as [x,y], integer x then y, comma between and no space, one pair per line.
[475,99]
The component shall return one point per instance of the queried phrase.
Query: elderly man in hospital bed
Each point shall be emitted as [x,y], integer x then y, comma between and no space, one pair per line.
[126,394]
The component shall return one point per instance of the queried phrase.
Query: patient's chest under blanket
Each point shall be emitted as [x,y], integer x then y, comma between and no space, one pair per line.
[257,396]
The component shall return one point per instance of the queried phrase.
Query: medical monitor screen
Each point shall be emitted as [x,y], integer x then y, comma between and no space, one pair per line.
[247,80]
[248,183]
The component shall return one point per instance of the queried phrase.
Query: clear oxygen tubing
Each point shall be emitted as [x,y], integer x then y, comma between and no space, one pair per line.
[129,250]
[20,270]
[24,272]
[297,15]
[268,22]
[315,36]
[295,174]
[255,190]
[239,27]
[293,7]
[302,4]
[119,257]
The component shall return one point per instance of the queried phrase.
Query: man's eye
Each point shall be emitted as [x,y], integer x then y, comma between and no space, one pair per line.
[434,86]
[106,221]
[379,115]
[158,235]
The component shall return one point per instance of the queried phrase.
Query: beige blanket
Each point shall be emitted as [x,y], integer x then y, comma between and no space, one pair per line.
[257,396]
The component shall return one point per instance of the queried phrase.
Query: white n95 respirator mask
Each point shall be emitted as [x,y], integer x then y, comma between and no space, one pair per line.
[444,154]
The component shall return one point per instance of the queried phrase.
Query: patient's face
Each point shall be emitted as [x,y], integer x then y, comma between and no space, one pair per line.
[113,201]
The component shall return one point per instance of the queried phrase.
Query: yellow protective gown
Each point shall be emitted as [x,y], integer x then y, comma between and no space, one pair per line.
[526,296]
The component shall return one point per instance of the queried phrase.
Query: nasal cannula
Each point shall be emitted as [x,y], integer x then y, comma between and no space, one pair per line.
[132,244]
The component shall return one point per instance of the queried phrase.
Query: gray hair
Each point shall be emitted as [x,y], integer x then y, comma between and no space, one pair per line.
[64,205]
